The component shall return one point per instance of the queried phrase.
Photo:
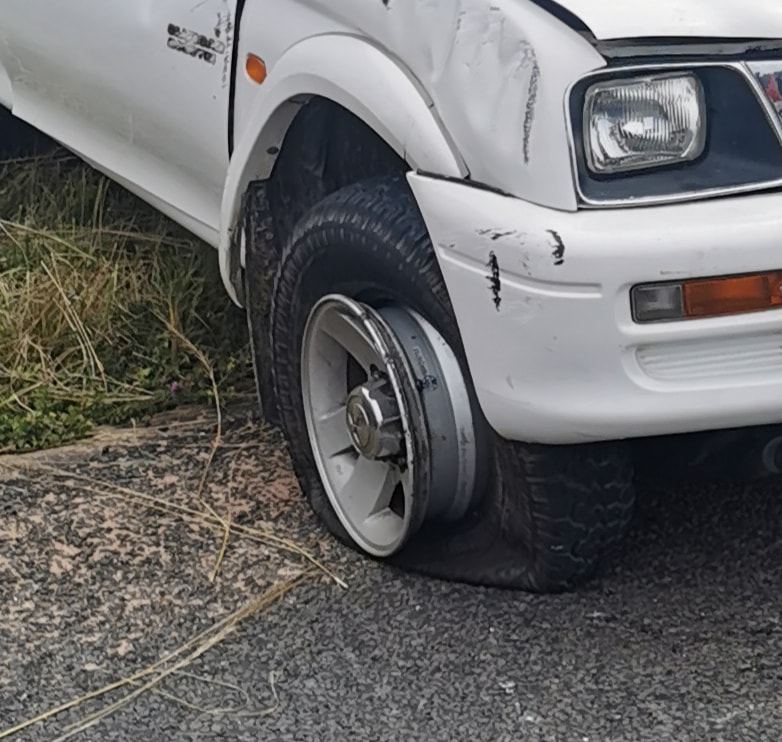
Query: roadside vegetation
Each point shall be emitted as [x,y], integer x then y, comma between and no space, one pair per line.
[108,311]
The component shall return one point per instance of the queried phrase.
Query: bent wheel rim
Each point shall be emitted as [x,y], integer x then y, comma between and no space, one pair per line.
[373,497]
[389,421]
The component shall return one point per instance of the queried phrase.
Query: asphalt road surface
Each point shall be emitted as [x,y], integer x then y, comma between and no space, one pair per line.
[679,638]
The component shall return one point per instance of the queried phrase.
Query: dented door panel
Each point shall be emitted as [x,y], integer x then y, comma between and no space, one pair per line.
[139,88]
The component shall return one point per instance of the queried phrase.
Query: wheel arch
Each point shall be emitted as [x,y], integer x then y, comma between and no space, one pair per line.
[359,78]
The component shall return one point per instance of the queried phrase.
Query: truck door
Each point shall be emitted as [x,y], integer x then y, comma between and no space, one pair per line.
[139,87]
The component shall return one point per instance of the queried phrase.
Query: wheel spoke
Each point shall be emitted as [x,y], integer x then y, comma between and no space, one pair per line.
[345,365]
[348,333]
[333,434]
[386,492]
[369,488]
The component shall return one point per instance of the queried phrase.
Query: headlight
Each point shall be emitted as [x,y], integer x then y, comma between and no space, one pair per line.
[643,123]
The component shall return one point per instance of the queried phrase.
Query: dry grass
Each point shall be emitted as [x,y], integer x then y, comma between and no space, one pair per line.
[108,312]
[204,514]
[107,309]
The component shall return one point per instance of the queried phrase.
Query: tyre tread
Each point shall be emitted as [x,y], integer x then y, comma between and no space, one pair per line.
[549,513]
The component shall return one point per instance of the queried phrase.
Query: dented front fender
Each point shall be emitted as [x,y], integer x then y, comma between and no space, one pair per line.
[497,72]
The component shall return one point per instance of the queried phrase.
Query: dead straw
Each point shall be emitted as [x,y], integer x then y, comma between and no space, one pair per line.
[189,652]
[206,518]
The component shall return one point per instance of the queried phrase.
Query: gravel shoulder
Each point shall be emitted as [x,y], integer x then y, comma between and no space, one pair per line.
[108,554]
[102,574]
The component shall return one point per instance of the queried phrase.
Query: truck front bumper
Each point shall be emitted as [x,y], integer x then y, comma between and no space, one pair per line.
[542,299]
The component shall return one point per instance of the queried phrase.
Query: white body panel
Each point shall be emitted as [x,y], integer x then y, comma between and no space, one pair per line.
[468,87]
[131,87]
[493,72]
[461,89]
[561,360]
[716,19]
[335,66]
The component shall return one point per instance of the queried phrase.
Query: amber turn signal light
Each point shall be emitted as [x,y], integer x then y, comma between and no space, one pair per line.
[255,68]
[709,297]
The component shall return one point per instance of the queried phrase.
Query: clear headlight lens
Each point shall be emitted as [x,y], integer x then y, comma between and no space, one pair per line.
[642,123]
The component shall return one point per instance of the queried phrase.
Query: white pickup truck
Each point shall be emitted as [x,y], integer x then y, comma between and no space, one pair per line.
[482,244]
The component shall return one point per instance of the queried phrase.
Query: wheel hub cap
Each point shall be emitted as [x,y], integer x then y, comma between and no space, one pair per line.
[373,420]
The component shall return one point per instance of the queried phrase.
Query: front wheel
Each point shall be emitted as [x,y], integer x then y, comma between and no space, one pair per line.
[385,434]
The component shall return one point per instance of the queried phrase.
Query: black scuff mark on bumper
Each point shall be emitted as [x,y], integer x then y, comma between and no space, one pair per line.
[558,248]
[495,284]
[495,234]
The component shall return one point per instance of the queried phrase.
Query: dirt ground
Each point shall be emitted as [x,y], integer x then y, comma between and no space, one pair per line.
[113,556]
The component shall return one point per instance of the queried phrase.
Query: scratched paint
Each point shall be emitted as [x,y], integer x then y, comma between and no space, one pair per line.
[496,77]
[495,282]
[478,45]
[558,248]
[224,31]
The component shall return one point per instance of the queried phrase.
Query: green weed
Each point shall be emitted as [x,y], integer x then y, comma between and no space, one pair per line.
[97,292]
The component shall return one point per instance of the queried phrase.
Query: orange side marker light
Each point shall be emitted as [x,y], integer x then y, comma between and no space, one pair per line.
[733,295]
[255,68]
